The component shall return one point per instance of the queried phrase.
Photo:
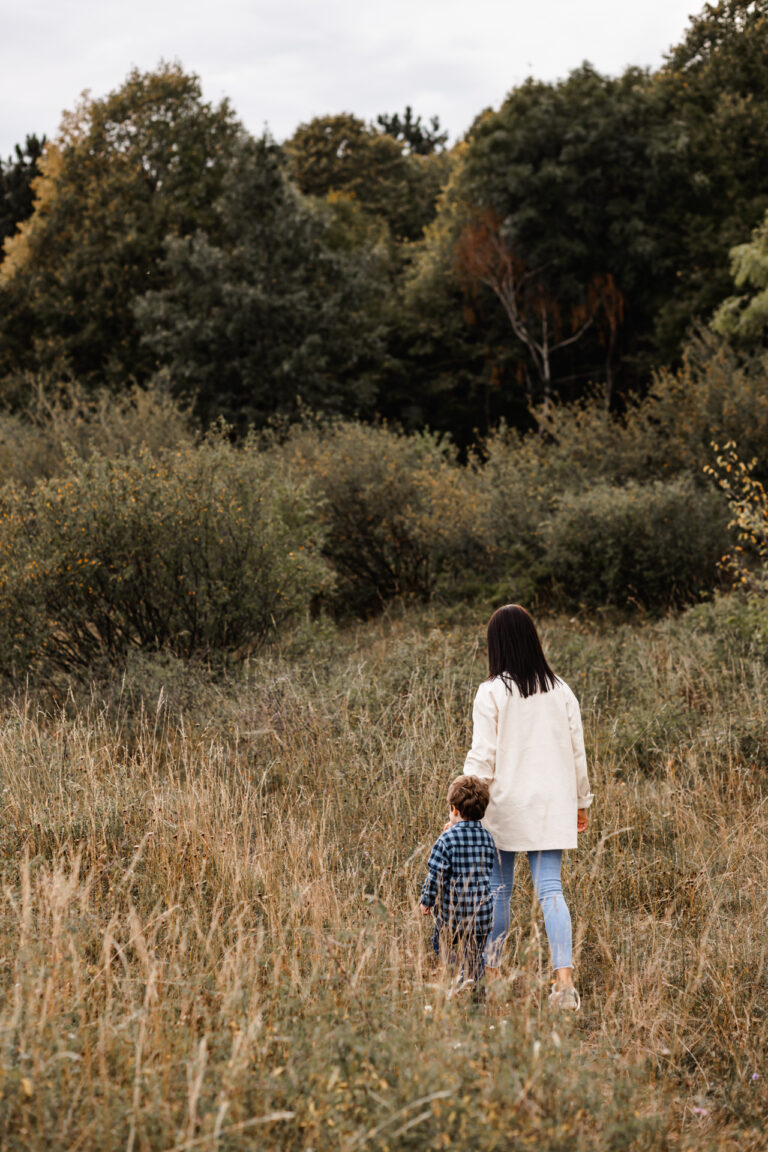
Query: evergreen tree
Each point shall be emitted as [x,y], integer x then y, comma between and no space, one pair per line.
[271,306]
[16,177]
[418,138]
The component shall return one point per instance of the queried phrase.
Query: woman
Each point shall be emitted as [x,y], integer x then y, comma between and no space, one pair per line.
[528,743]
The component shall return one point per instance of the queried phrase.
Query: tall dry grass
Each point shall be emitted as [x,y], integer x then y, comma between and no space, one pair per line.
[208,925]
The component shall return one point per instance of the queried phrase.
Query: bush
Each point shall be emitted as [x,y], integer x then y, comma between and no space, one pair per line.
[519,495]
[62,421]
[400,516]
[526,476]
[716,394]
[583,442]
[656,545]
[203,550]
[576,446]
[748,503]
[558,520]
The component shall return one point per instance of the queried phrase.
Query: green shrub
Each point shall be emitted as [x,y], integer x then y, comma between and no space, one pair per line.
[526,476]
[206,549]
[571,509]
[716,394]
[656,545]
[577,446]
[520,492]
[582,442]
[400,516]
[64,420]
[738,622]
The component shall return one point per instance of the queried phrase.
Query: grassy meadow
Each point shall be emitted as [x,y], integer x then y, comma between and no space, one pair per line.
[208,927]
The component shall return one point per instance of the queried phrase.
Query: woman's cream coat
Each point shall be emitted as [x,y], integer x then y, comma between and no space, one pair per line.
[531,750]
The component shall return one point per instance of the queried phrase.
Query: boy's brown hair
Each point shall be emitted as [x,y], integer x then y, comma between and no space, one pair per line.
[470,796]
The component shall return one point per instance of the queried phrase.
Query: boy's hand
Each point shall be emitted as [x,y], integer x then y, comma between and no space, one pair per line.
[424,910]
[582,819]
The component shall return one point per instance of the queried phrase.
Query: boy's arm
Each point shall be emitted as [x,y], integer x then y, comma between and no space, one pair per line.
[437,868]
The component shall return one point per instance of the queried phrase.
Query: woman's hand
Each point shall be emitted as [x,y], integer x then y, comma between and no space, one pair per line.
[582,819]
[424,910]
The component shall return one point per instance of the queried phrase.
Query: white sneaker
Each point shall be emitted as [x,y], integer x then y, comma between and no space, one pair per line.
[566,997]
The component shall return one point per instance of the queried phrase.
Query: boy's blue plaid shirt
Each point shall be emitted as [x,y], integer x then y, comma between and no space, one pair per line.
[458,878]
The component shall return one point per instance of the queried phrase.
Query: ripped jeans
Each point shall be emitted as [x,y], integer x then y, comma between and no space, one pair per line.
[545,871]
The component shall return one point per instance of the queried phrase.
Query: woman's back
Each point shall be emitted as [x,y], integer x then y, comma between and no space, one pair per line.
[531,750]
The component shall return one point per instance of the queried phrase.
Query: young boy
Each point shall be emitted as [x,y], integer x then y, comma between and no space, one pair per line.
[457,886]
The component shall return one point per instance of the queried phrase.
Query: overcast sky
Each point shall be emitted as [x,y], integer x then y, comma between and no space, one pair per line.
[282,62]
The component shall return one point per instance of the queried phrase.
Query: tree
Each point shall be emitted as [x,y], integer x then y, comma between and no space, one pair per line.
[533,309]
[573,175]
[418,139]
[744,316]
[126,171]
[273,305]
[714,89]
[16,177]
[444,361]
[333,154]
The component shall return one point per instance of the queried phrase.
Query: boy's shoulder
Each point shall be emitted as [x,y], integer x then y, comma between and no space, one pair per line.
[472,830]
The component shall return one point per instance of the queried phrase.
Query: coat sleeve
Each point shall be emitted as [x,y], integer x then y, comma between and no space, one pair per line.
[583,793]
[481,758]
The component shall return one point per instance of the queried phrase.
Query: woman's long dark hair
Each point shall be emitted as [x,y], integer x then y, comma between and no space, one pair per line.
[515,654]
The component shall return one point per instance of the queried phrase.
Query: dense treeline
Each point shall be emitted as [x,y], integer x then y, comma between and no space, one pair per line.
[121,527]
[568,243]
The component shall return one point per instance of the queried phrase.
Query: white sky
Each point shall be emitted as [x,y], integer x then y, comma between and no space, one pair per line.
[282,62]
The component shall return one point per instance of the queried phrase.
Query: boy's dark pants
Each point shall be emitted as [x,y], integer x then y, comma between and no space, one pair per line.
[461,949]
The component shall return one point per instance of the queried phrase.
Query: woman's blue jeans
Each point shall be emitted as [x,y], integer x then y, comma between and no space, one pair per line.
[545,871]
